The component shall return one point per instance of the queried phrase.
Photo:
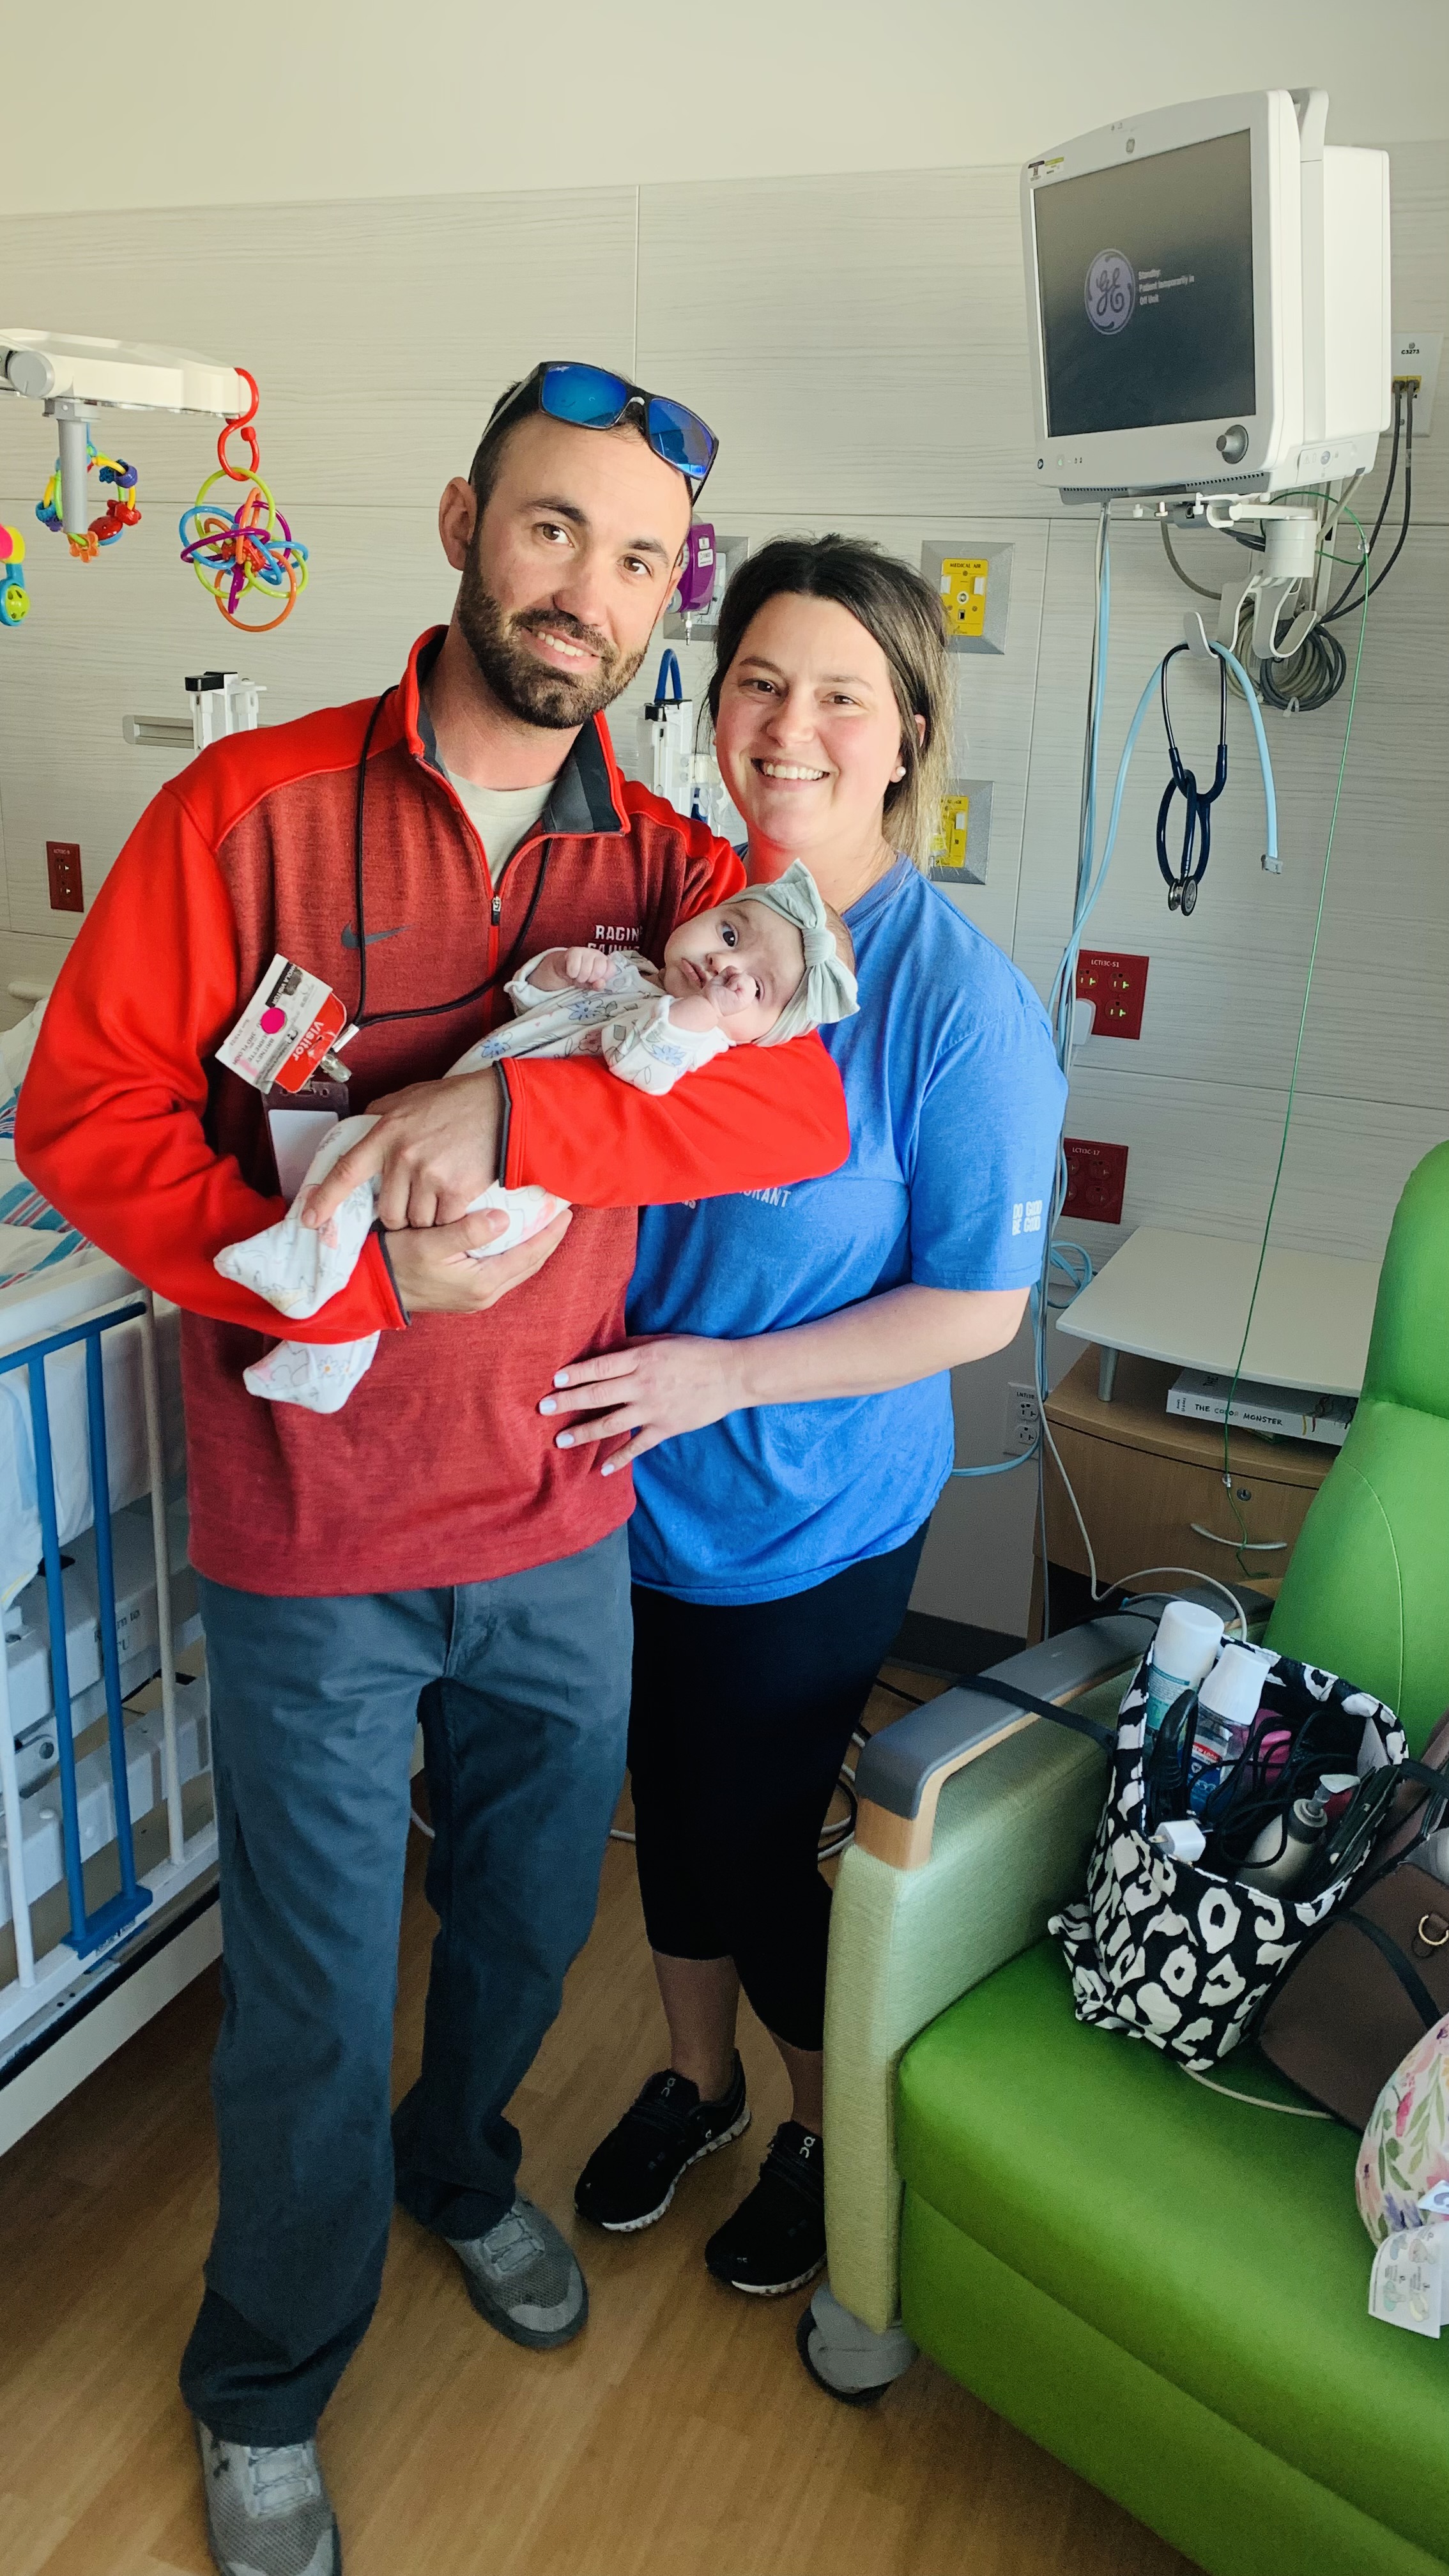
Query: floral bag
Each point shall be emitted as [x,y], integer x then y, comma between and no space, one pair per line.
[1405,2149]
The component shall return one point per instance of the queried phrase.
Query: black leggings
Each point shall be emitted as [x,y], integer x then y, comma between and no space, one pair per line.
[740,1721]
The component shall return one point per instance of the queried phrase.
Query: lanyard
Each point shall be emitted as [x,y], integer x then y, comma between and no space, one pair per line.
[362,1017]
[1182,881]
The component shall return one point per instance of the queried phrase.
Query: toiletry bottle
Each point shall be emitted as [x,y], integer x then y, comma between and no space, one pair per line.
[1284,1848]
[1227,1704]
[1183,1651]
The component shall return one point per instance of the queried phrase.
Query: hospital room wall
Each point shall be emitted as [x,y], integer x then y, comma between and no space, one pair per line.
[860,344]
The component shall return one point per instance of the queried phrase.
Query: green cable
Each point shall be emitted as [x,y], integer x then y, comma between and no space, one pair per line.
[1297,1054]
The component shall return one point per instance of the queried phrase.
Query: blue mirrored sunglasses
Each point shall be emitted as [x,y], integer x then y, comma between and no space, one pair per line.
[595,398]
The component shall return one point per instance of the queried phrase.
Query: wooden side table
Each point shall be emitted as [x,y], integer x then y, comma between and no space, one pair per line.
[1150,1486]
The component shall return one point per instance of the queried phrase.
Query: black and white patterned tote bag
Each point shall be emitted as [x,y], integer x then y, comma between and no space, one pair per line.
[1169,1952]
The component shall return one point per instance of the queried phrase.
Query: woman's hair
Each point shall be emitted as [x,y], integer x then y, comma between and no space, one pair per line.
[902,614]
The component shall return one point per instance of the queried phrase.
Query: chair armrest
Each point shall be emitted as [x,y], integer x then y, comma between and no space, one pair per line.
[904,1768]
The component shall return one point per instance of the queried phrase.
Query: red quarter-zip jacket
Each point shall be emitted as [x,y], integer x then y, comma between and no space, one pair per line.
[439,1470]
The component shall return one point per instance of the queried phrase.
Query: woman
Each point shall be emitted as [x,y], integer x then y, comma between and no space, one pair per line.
[802,1398]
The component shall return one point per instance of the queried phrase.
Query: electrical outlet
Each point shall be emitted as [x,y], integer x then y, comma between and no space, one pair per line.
[63,867]
[1117,989]
[1096,1179]
[1022,1427]
[1415,361]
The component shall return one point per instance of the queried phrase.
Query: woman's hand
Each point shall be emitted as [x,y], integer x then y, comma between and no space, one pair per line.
[656,1389]
[652,1390]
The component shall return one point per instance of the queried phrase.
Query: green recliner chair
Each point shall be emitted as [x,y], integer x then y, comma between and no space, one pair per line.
[1164,2286]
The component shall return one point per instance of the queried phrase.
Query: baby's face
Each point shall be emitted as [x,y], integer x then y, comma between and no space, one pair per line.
[744,958]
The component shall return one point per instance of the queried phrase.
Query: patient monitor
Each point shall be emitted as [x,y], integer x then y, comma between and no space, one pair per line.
[1208,301]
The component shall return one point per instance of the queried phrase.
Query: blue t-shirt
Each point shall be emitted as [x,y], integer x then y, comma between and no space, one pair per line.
[955,1104]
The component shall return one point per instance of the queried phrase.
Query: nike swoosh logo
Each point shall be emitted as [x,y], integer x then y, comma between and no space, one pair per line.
[349,935]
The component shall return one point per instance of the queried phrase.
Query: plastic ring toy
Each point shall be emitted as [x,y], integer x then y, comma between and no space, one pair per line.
[236,552]
[121,512]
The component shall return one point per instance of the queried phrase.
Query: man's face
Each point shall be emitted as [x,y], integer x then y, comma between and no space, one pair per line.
[570,568]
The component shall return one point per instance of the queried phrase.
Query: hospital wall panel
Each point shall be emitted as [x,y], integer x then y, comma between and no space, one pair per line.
[859,342]
[380,332]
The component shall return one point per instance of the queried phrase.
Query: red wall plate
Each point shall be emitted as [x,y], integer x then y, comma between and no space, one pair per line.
[63,868]
[1117,986]
[1096,1179]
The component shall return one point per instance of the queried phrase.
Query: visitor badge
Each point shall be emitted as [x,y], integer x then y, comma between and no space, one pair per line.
[291,1023]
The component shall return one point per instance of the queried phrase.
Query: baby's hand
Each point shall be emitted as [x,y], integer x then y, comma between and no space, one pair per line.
[587,969]
[570,970]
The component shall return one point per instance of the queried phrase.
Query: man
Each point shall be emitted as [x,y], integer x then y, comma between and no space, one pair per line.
[428,1551]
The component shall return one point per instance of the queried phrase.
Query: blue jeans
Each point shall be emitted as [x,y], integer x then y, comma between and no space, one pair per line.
[522,1687]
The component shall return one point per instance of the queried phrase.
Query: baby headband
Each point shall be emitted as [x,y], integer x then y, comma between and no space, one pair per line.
[826,991]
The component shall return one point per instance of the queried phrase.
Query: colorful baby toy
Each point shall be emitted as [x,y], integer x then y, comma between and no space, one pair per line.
[250,548]
[14,597]
[120,513]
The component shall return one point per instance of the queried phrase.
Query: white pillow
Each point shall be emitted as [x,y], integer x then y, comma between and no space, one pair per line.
[17,1045]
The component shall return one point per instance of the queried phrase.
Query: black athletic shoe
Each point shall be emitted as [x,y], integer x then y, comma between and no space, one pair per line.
[776,2239]
[629,2179]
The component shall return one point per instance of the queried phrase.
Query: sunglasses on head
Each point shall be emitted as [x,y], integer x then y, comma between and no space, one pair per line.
[595,398]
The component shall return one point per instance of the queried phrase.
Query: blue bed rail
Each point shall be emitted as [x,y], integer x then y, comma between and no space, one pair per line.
[88,1932]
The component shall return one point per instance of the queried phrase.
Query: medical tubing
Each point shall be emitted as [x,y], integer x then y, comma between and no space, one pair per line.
[1340,607]
[1270,794]
[1302,1026]
[1185,578]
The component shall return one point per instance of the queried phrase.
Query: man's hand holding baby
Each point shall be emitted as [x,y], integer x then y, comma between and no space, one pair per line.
[435,1147]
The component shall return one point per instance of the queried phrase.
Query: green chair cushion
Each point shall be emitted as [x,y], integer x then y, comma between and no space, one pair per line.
[1217,2244]
[1367,1587]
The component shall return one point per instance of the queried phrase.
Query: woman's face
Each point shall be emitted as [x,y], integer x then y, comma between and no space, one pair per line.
[808,735]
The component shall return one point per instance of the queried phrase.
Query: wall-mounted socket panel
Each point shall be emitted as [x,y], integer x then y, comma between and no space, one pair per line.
[1416,355]
[1021,1429]
[1096,1180]
[63,867]
[963,835]
[1116,987]
[972,578]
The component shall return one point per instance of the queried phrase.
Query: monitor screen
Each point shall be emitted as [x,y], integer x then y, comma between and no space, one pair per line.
[1146,276]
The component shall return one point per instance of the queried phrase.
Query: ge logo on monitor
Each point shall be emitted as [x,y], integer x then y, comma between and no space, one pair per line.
[1111,292]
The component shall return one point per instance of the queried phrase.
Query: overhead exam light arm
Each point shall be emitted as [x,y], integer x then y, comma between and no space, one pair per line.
[73,377]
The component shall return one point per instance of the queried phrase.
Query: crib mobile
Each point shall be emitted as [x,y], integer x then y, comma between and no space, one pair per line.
[245,554]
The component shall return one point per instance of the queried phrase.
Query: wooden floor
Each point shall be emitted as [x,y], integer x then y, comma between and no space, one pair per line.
[678,2437]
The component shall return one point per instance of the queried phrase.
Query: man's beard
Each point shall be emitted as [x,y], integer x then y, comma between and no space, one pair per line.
[521,683]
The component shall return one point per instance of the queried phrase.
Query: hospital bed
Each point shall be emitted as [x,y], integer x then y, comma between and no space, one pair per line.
[107,1823]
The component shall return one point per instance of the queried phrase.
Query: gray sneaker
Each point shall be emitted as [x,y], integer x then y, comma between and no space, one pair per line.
[523,2278]
[268,2512]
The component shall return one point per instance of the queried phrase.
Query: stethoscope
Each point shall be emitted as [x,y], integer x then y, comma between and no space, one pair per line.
[362,1018]
[1183,881]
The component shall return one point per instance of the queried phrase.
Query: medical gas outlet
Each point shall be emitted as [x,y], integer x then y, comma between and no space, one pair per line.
[963,833]
[972,580]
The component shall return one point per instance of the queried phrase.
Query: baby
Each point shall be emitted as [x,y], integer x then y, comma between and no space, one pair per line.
[768,965]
